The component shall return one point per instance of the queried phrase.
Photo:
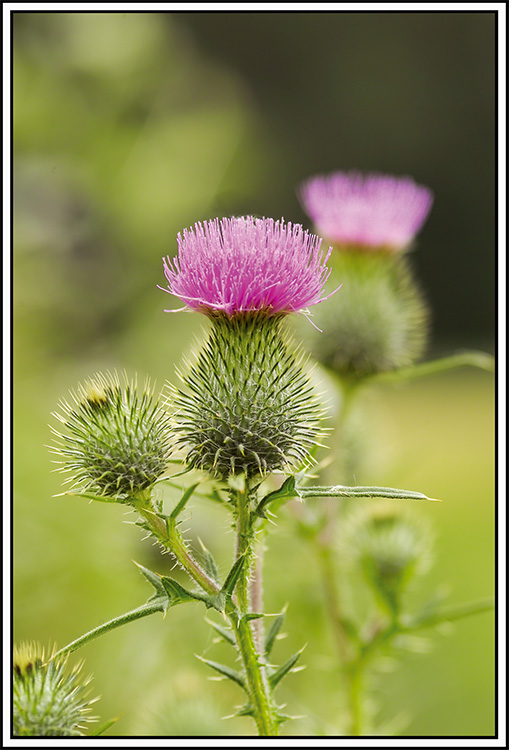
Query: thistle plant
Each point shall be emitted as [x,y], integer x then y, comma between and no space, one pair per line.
[243,429]
[244,425]
[376,328]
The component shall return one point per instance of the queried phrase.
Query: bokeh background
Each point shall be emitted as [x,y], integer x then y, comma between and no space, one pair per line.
[129,127]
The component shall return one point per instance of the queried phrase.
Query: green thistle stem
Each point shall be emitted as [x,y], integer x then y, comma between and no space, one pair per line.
[243,544]
[169,537]
[135,614]
[261,694]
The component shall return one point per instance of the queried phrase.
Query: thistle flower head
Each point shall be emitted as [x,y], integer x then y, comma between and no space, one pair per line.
[247,264]
[49,700]
[366,210]
[115,439]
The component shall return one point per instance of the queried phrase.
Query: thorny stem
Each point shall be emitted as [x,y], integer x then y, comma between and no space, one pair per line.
[257,597]
[248,635]
[168,535]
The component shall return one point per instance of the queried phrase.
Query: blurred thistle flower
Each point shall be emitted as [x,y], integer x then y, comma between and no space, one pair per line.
[247,264]
[391,547]
[366,210]
[116,440]
[49,700]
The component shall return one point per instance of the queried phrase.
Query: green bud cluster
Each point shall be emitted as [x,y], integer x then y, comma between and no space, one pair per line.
[116,441]
[248,407]
[391,547]
[376,322]
[49,700]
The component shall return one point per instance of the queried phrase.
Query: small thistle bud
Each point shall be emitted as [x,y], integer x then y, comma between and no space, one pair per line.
[391,547]
[378,322]
[116,440]
[248,406]
[49,700]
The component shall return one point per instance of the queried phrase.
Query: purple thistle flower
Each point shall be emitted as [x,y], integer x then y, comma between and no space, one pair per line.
[247,264]
[371,210]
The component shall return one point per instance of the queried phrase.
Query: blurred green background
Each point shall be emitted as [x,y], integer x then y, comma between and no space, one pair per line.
[130,126]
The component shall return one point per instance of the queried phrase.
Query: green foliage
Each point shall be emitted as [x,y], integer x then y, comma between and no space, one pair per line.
[247,406]
[49,699]
[116,441]
[376,322]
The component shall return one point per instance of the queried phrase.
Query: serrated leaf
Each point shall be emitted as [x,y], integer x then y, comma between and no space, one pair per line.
[227,635]
[273,633]
[276,677]
[226,671]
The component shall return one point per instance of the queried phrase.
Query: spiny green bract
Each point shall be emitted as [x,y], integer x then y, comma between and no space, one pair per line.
[248,406]
[376,322]
[116,440]
[49,700]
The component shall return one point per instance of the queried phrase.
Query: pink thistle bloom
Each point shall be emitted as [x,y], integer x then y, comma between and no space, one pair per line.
[247,264]
[371,210]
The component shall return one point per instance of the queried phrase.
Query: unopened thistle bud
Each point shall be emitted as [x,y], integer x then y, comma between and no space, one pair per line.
[116,439]
[248,407]
[379,321]
[49,699]
[391,547]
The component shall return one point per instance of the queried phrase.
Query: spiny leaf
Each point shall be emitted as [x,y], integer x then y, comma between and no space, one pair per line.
[154,579]
[276,677]
[182,503]
[273,632]
[252,616]
[209,563]
[227,635]
[226,671]
[178,594]
[233,576]
[285,492]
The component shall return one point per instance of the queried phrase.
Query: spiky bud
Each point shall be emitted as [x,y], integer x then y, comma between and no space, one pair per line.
[379,321]
[248,407]
[391,547]
[49,699]
[116,440]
